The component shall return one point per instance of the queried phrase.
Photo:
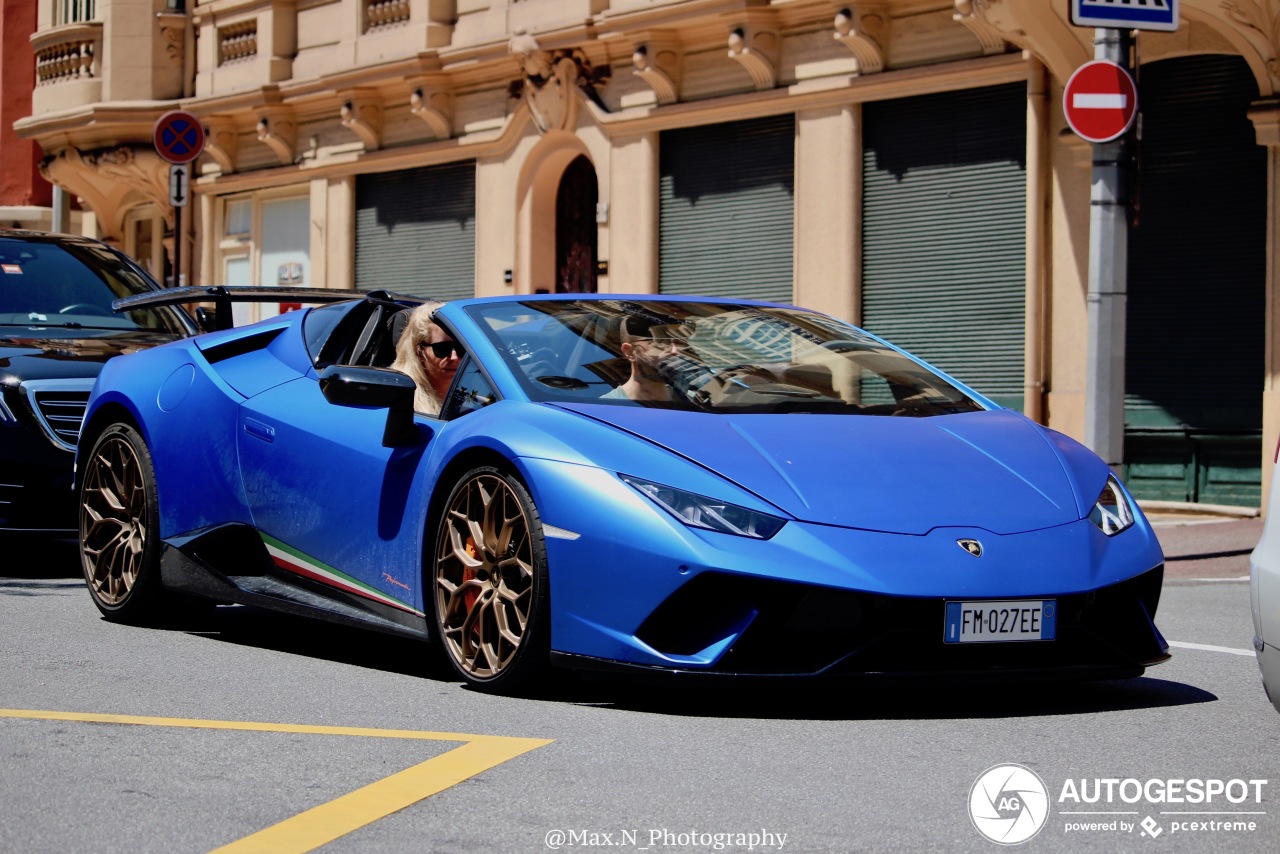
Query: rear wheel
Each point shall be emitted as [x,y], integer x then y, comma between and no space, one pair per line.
[490,582]
[120,526]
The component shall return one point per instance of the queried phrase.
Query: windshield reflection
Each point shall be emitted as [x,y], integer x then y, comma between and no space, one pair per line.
[712,357]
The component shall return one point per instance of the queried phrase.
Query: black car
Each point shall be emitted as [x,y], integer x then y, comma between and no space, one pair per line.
[57,328]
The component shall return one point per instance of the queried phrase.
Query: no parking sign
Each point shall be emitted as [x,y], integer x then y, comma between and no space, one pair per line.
[178,137]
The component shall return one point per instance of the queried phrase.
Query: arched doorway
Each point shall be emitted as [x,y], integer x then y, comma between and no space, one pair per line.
[576,228]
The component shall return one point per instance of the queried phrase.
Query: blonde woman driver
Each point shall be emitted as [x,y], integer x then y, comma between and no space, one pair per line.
[429,355]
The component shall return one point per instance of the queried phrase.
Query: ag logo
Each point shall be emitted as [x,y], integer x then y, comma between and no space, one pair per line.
[1009,804]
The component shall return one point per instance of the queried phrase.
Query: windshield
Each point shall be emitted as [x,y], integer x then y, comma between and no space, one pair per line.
[715,357]
[72,285]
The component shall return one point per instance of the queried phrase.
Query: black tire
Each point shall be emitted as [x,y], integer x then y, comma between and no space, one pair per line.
[488,582]
[120,527]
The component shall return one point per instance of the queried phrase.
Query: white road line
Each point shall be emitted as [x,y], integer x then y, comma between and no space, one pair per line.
[1210,648]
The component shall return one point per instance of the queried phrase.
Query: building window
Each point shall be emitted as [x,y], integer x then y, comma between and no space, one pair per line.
[264,240]
[74,11]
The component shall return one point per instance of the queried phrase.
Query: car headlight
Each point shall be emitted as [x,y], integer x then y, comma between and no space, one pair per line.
[1111,512]
[699,511]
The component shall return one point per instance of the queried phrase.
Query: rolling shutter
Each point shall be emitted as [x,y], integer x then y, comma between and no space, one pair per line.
[726,208]
[1197,287]
[944,232]
[416,231]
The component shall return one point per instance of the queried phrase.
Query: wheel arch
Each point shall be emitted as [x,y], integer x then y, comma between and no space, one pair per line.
[112,412]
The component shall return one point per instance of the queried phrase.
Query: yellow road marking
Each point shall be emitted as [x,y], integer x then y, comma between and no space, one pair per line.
[323,824]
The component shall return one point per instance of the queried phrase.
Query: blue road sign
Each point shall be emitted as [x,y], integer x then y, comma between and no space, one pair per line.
[1126,14]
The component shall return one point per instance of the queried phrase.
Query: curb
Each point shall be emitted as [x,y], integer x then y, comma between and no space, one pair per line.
[1192,509]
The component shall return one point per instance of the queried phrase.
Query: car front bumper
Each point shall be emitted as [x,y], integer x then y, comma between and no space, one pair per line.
[632,586]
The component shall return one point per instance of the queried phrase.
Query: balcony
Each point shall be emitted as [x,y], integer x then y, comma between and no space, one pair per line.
[244,44]
[68,67]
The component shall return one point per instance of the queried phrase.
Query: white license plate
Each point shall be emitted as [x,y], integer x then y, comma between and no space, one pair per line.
[995,621]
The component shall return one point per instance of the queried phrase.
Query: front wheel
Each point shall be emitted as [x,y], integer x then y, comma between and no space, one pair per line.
[120,526]
[490,581]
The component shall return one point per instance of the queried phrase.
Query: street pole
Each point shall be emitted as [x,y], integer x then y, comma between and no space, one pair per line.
[177,246]
[1108,279]
[61,210]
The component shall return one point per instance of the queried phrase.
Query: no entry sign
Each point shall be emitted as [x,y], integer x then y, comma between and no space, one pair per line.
[178,137]
[1100,101]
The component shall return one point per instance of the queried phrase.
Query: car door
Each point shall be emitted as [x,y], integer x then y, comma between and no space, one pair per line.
[332,504]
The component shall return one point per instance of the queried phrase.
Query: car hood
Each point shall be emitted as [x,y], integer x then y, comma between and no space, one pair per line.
[26,356]
[995,470]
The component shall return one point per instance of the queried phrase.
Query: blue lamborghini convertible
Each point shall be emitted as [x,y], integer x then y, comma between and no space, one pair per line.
[631,483]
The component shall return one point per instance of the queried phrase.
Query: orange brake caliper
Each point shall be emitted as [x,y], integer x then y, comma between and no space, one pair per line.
[468,574]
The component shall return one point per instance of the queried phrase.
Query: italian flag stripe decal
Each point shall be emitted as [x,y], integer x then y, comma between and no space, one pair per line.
[292,560]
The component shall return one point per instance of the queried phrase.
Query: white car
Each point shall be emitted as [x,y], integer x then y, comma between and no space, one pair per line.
[1264,594]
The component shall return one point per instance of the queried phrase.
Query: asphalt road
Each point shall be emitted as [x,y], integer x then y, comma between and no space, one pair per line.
[211,733]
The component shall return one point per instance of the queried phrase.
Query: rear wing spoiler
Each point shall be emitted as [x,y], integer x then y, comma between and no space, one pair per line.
[222,296]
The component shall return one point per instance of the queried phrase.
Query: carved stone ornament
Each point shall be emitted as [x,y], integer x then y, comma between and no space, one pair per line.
[658,65]
[361,113]
[173,30]
[110,181]
[221,143]
[755,46]
[148,175]
[278,132]
[1263,19]
[547,84]
[434,106]
[864,29]
[973,14]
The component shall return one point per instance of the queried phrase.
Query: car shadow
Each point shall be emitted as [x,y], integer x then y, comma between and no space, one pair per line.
[903,699]
[38,556]
[247,626]
[897,699]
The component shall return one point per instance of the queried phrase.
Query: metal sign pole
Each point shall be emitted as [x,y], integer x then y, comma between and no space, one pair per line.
[177,246]
[1108,276]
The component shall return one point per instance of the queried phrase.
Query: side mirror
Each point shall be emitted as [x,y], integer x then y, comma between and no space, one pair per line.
[375,388]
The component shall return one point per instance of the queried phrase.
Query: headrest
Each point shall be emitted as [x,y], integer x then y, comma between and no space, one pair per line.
[396,325]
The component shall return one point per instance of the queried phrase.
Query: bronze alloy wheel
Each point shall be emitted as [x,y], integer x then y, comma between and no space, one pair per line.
[490,581]
[118,520]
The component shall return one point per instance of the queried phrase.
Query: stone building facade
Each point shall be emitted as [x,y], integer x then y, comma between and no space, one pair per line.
[904,164]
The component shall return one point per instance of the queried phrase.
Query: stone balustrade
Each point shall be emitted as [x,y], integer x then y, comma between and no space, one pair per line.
[66,53]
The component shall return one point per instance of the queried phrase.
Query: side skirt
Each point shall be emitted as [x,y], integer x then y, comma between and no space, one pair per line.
[201,564]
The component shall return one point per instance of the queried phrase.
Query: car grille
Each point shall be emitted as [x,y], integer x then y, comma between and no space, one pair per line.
[794,628]
[59,405]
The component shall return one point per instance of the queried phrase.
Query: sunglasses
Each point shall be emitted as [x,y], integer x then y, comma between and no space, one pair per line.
[442,349]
